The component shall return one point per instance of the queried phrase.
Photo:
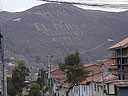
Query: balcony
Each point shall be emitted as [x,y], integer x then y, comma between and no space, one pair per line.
[118,64]
[115,56]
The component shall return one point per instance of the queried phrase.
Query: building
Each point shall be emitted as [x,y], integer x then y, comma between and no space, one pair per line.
[110,87]
[58,78]
[120,58]
[96,83]
[108,66]
[121,87]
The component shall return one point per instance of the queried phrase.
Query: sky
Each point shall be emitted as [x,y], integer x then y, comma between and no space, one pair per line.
[18,5]
[21,5]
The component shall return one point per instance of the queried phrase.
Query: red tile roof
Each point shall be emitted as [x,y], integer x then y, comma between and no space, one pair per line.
[123,43]
[96,68]
[58,75]
[88,65]
[66,85]
[109,64]
[96,78]
[121,83]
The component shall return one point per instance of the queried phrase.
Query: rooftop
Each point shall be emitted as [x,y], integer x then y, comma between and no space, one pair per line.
[123,43]
[95,68]
[121,83]
[110,64]
[111,79]
[58,75]
[96,78]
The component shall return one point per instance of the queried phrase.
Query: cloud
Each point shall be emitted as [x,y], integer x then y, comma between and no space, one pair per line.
[19,10]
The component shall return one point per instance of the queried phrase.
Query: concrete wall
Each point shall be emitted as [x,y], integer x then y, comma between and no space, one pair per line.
[84,90]
[123,92]
[110,88]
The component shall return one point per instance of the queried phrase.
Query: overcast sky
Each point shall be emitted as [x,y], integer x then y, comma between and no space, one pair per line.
[20,5]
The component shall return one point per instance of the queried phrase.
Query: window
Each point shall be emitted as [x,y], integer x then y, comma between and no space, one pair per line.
[95,87]
[122,60]
[119,76]
[98,88]
[124,51]
[123,77]
[123,68]
[118,61]
[86,90]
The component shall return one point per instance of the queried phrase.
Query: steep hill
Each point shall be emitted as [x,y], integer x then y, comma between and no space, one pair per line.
[59,29]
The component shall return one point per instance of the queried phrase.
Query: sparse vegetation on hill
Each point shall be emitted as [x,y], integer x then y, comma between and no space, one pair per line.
[59,29]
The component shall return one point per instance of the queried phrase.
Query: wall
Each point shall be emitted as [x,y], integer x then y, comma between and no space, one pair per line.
[123,91]
[110,88]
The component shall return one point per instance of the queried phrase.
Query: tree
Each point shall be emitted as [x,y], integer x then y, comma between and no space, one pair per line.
[42,80]
[42,77]
[18,78]
[46,89]
[34,90]
[74,71]
[10,87]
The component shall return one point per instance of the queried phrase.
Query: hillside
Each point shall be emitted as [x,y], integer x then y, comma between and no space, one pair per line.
[59,29]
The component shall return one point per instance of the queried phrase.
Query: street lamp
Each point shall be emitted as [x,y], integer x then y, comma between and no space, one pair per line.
[3,67]
[110,40]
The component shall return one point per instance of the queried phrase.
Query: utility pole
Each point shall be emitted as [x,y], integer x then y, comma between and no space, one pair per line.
[92,83]
[1,64]
[102,73]
[4,85]
[49,73]
[103,81]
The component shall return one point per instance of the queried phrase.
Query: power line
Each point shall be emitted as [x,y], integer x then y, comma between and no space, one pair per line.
[71,2]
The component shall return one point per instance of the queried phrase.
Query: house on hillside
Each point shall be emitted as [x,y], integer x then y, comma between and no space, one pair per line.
[121,87]
[92,86]
[109,86]
[93,68]
[108,66]
[58,78]
[96,84]
[120,58]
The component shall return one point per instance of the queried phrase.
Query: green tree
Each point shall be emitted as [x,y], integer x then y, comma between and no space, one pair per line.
[34,90]
[74,71]
[46,89]
[42,78]
[10,88]
[18,78]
